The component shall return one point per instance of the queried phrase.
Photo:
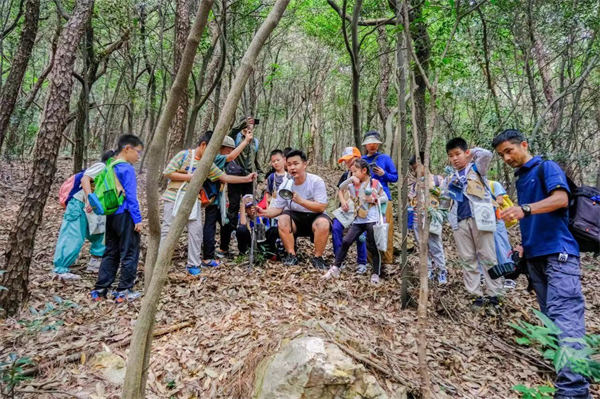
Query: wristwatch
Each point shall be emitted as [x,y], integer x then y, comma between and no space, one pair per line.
[526,210]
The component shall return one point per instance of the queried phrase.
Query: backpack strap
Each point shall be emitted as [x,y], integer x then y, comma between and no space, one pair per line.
[484,182]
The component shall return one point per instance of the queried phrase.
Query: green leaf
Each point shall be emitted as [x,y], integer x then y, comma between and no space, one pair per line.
[523,341]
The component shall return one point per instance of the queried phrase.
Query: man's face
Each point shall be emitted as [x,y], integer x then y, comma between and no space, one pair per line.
[458,158]
[277,162]
[514,154]
[296,166]
[226,150]
[372,148]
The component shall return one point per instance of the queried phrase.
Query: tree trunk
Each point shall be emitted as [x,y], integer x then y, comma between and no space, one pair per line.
[182,30]
[29,216]
[356,127]
[138,361]
[10,92]
[316,133]
[90,69]
[422,45]
[385,72]
[402,150]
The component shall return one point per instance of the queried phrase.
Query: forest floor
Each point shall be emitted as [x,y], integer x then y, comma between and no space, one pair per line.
[216,328]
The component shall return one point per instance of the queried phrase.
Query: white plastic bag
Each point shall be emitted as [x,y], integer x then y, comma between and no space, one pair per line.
[179,196]
[381,230]
[485,217]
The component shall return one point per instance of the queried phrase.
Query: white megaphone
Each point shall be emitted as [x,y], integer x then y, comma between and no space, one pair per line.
[286,189]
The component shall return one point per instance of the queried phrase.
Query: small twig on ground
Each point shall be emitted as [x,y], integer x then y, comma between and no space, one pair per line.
[41,391]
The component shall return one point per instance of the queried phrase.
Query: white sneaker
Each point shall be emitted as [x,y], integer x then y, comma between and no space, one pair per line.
[65,276]
[333,272]
[510,284]
[93,265]
[374,279]
[362,269]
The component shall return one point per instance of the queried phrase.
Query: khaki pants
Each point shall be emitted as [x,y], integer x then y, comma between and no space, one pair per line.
[194,228]
[387,258]
[475,247]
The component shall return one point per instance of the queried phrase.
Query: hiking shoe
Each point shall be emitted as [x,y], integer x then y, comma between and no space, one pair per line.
[494,306]
[442,277]
[211,263]
[221,254]
[93,265]
[375,279]
[290,260]
[510,284]
[193,270]
[65,276]
[477,304]
[333,272]
[98,295]
[319,263]
[126,296]
[362,269]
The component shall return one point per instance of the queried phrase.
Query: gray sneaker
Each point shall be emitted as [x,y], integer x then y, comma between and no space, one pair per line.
[362,269]
[375,279]
[93,265]
[65,276]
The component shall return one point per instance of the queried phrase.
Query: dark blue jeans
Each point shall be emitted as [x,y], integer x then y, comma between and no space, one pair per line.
[338,235]
[122,248]
[557,286]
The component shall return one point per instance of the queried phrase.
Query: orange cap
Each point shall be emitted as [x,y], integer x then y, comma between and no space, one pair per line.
[349,153]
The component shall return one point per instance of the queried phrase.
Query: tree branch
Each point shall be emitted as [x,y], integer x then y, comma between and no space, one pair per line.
[362,22]
[63,13]
[12,26]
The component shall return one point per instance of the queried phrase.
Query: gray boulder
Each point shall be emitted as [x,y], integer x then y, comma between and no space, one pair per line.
[310,368]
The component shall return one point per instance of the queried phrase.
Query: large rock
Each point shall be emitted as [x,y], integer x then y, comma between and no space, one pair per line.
[112,366]
[310,368]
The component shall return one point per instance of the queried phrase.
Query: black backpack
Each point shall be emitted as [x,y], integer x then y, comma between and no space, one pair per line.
[584,214]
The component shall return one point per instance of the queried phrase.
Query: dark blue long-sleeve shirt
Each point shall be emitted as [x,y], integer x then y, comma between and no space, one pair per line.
[126,175]
[391,174]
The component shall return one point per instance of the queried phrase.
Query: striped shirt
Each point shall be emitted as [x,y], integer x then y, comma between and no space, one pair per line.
[180,163]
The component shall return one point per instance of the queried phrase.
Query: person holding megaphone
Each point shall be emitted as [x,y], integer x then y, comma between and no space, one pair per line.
[300,204]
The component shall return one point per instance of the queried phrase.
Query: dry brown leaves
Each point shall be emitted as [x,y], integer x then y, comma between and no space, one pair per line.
[241,316]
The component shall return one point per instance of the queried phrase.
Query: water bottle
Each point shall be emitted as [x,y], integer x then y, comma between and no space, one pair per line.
[363,237]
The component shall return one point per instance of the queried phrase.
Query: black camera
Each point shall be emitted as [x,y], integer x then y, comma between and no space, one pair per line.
[510,270]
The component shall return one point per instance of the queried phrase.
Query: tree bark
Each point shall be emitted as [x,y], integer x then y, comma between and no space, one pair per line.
[402,150]
[10,91]
[29,216]
[182,30]
[137,364]
[385,72]
[422,45]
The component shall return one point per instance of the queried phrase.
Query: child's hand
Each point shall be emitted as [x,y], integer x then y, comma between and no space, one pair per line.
[371,199]
[355,180]
[138,228]
[345,206]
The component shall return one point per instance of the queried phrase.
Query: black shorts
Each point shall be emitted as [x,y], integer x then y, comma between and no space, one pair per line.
[304,221]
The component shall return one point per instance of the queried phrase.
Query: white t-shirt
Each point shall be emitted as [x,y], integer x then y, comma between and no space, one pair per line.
[313,189]
[91,172]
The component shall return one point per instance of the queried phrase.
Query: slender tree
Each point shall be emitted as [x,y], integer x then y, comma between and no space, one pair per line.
[139,354]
